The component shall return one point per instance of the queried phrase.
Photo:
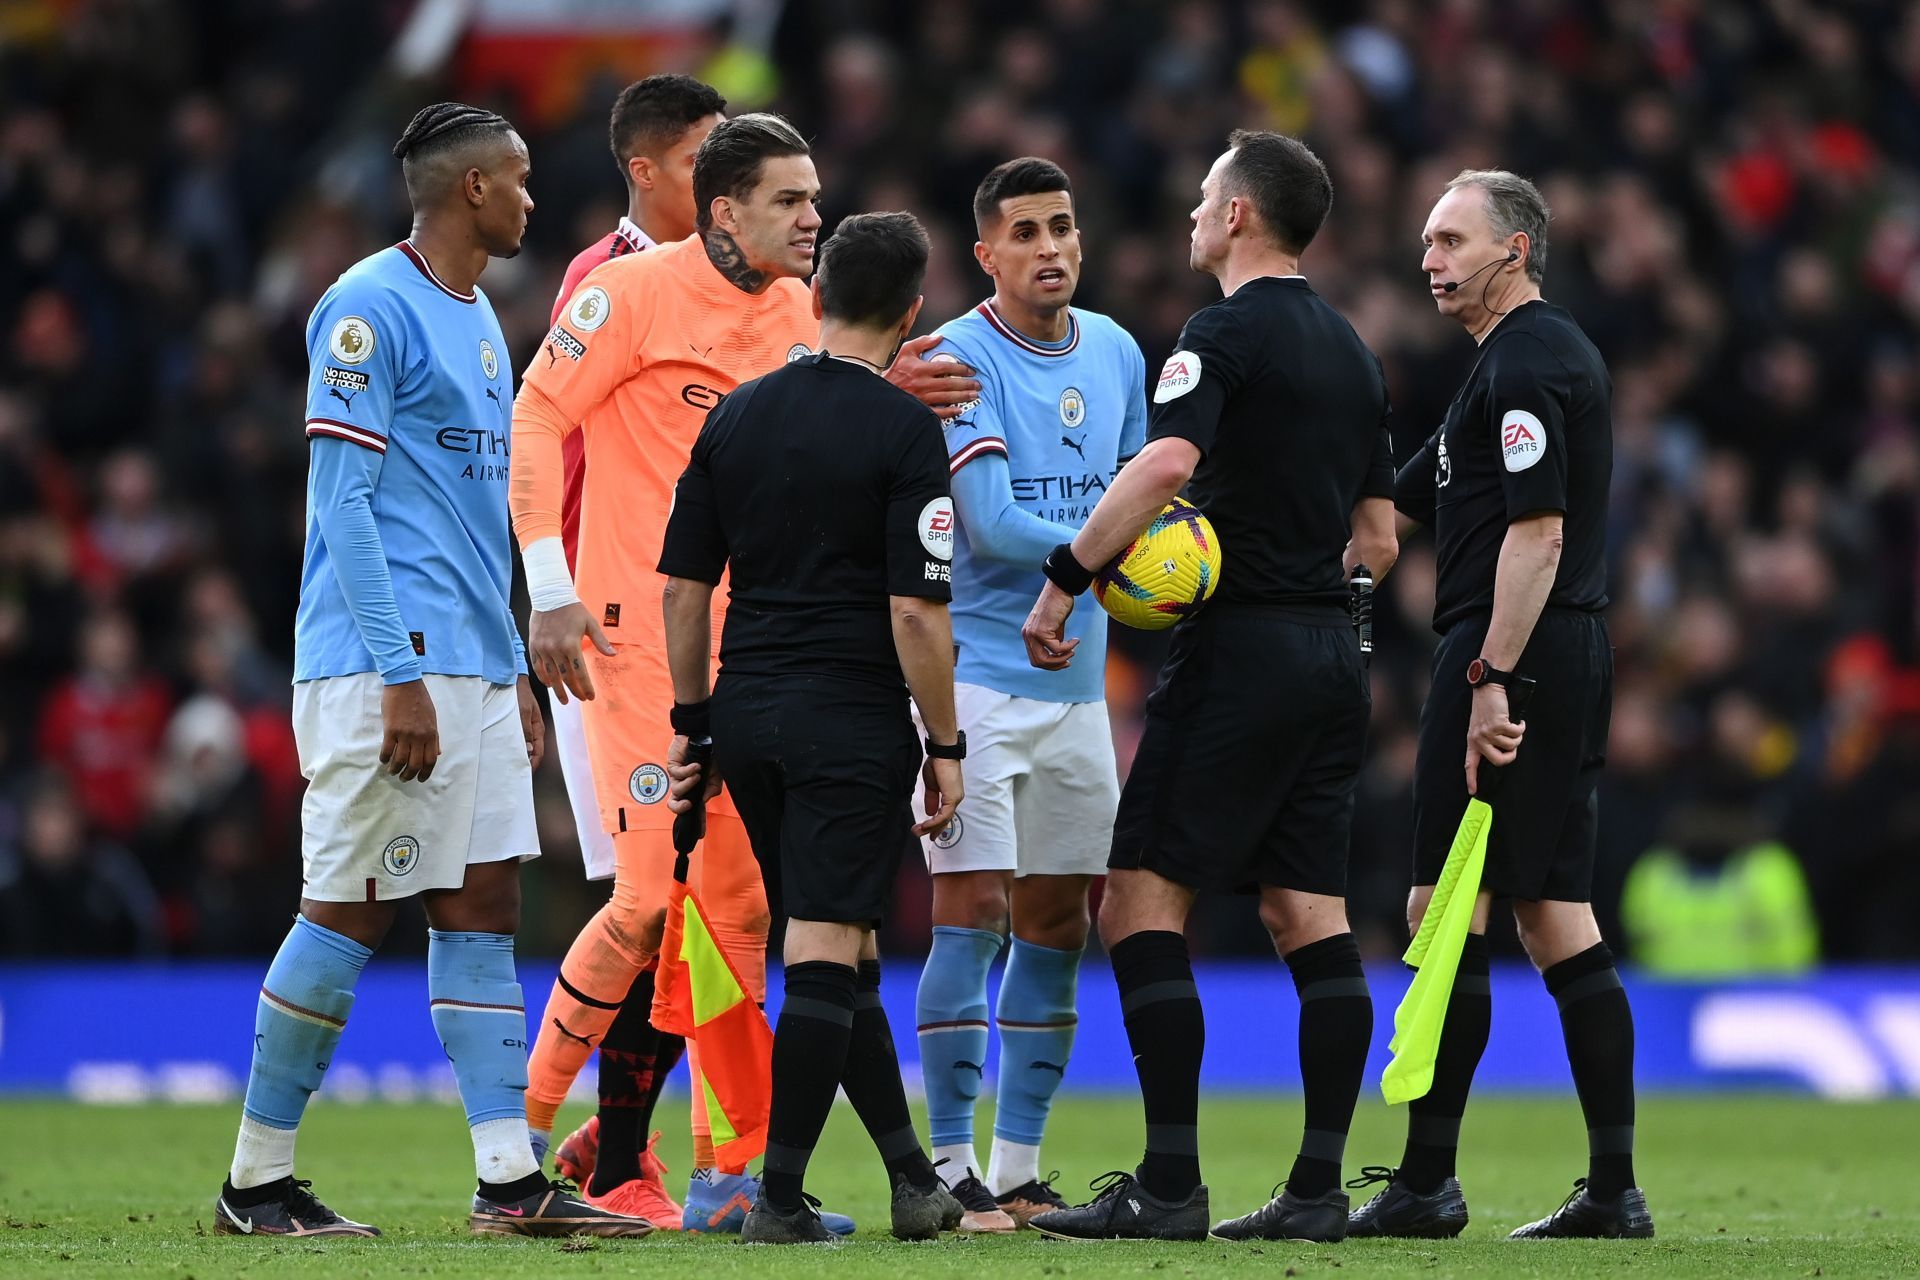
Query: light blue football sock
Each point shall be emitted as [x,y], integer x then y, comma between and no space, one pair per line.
[303,1007]
[951,1010]
[1037,1021]
[482,1021]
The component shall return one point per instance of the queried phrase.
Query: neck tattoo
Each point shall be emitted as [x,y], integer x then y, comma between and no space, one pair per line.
[723,251]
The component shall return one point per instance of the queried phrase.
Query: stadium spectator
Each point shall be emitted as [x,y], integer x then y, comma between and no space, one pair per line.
[1735,225]
[65,891]
[102,726]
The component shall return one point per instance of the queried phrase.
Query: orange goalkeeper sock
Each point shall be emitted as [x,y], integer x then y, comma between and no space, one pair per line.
[594,979]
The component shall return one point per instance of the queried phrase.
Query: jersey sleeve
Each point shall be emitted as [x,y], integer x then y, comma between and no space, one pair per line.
[1527,390]
[1380,479]
[590,350]
[1198,379]
[976,430]
[996,524]
[1133,428]
[695,545]
[1413,487]
[355,355]
[920,519]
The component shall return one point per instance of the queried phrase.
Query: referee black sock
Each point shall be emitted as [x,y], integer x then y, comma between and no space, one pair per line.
[1598,1025]
[1167,1032]
[872,1082]
[1336,1023]
[809,1057]
[1433,1121]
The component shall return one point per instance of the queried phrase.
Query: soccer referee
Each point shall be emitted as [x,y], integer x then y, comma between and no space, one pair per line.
[1514,486]
[823,490]
[1245,774]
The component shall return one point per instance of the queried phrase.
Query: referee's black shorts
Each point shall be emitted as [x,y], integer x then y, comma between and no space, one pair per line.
[1545,822]
[822,772]
[1254,738]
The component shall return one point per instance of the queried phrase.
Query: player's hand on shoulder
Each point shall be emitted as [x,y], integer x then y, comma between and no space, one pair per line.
[555,640]
[1045,630]
[533,725]
[410,741]
[944,385]
[944,791]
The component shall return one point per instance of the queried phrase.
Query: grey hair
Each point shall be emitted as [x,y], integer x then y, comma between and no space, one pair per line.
[1514,207]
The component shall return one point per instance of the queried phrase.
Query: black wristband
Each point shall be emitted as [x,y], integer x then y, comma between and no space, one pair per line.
[1065,572]
[693,719]
[956,751]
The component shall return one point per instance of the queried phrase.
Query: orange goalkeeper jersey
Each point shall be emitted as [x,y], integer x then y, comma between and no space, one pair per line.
[648,344]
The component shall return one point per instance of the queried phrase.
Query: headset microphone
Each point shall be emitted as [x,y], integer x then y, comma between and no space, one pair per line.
[1451,285]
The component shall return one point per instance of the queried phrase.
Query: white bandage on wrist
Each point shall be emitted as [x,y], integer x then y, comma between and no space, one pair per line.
[549,585]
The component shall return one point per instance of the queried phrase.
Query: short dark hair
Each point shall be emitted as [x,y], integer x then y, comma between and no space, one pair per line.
[872,267]
[728,162]
[1027,176]
[1287,183]
[653,114]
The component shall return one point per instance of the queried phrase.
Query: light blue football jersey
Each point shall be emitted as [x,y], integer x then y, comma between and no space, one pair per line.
[409,404]
[1064,415]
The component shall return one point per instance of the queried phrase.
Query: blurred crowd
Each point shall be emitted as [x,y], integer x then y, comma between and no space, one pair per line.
[1736,224]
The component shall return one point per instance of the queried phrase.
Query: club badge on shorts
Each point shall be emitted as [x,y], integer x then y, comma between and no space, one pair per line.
[648,784]
[401,856]
[949,835]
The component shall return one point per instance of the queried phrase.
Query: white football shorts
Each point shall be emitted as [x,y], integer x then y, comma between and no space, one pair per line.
[570,743]
[366,835]
[1042,788]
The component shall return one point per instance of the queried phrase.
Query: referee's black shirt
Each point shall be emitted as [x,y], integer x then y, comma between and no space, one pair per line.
[1289,411]
[822,489]
[1530,432]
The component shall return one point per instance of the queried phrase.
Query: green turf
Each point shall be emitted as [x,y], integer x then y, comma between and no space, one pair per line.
[1739,1186]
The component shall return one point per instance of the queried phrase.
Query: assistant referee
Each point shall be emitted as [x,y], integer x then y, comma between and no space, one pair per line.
[1514,485]
[1276,411]
[823,489]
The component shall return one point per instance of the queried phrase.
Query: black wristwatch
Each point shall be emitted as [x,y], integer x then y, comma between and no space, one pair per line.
[1480,672]
[956,750]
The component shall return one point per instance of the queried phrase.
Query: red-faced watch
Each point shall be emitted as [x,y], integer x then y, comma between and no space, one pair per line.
[1480,672]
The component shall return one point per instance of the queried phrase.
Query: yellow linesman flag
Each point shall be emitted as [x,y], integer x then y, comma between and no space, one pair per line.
[1435,953]
[698,994]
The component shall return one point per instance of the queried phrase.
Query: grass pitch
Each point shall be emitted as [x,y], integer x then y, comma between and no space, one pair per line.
[1738,1185]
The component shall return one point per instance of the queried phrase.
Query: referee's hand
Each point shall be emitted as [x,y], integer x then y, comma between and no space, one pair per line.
[554,646]
[945,790]
[1491,736]
[1045,630]
[944,385]
[683,778]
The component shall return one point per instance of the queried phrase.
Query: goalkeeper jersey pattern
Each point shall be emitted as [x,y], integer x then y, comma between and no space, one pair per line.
[1063,415]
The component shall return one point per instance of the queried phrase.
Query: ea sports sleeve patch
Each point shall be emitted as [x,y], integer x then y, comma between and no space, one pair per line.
[1527,393]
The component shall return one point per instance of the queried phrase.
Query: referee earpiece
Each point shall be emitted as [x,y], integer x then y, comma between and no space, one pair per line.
[1512,254]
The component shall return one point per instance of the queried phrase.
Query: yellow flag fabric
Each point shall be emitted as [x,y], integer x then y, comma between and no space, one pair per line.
[698,994]
[1435,953]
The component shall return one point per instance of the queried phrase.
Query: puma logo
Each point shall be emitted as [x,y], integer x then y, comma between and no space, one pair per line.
[553,354]
[561,1028]
[1074,445]
[1055,1067]
[978,1069]
[493,395]
[343,398]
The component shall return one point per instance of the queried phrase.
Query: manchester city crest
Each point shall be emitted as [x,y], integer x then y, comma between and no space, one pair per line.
[489,362]
[1073,407]
[648,784]
[401,856]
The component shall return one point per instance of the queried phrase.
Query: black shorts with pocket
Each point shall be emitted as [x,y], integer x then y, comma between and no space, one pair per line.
[822,772]
[1252,748]
[1545,820]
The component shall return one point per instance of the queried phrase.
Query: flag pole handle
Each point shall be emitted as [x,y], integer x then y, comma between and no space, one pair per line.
[690,827]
